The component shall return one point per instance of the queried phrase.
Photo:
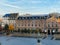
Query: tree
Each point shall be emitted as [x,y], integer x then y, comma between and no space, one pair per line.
[28,30]
[35,30]
[40,31]
[11,27]
[6,27]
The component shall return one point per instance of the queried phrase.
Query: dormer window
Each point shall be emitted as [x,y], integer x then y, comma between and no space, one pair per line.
[24,17]
[27,17]
[38,17]
[20,17]
[34,17]
[31,18]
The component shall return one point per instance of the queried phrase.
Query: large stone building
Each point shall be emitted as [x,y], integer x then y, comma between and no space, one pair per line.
[53,23]
[47,22]
[31,22]
[10,19]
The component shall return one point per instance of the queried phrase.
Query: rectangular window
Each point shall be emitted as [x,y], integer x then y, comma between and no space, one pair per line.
[25,24]
[35,25]
[32,24]
[24,17]
[34,17]
[18,24]
[48,25]
[30,17]
[21,18]
[56,25]
[27,17]
[52,25]
[41,17]
[39,25]
[38,17]
[28,24]
[22,24]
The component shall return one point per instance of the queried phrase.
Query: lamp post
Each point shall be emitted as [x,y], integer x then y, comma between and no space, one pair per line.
[2,25]
[38,39]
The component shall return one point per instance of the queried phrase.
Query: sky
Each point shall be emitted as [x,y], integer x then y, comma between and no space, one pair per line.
[29,6]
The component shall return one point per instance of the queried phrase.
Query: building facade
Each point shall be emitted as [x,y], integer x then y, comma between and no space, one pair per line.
[10,19]
[47,22]
[51,25]
[31,22]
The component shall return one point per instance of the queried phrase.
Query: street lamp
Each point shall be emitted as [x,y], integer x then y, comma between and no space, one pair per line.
[38,39]
[3,25]
[45,31]
[53,32]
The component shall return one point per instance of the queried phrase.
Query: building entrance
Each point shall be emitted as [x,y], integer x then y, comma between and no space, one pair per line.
[49,32]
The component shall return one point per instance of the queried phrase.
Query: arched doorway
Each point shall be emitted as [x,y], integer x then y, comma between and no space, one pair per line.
[49,32]
[52,31]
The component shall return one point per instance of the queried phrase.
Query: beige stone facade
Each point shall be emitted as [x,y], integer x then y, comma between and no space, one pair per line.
[30,24]
[50,22]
